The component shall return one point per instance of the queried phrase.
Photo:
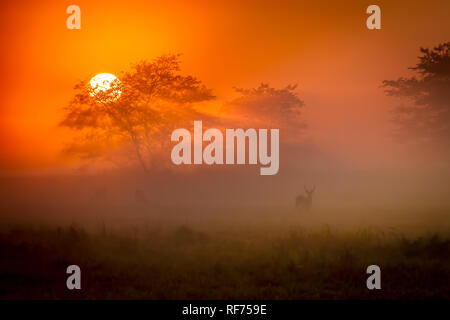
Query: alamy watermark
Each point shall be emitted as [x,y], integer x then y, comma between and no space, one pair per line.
[216,152]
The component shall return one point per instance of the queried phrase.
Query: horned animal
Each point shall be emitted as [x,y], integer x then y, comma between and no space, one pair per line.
[304,202]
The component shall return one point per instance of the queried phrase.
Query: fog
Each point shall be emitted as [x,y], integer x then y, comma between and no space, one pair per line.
[237,195]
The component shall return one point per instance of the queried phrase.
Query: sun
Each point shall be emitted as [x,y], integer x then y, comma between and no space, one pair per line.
[105,87]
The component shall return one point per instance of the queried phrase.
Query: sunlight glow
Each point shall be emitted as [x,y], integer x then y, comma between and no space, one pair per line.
[105,87]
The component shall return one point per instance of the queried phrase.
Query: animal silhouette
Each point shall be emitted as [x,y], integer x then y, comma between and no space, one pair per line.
[304,202]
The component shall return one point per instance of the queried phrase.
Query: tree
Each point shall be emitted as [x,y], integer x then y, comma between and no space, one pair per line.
[268,107]
[154,98]
[426,116]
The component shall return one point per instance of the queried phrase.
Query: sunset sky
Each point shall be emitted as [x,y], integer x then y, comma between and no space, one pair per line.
[323,46]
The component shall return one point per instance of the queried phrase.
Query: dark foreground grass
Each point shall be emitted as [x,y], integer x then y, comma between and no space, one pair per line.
[183,263]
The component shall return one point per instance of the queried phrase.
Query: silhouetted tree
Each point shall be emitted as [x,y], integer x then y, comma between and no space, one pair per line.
[426,116]
[154,97]
[268,107]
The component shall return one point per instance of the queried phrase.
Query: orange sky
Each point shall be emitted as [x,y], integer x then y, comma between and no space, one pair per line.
[323,46]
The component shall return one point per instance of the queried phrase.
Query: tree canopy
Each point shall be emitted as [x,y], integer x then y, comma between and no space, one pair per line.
[155,97]
[134,118]
[425,116]
[275,107]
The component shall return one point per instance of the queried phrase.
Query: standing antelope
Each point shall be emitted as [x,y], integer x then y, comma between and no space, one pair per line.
[305,202]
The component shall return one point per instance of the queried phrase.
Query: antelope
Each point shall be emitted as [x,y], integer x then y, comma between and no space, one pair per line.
[305,202]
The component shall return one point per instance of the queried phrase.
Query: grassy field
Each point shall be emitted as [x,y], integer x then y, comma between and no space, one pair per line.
[189,262]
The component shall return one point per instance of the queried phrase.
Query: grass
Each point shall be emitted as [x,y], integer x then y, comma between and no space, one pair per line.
[184,262]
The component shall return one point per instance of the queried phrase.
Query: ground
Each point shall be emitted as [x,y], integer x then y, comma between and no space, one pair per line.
[182,261]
